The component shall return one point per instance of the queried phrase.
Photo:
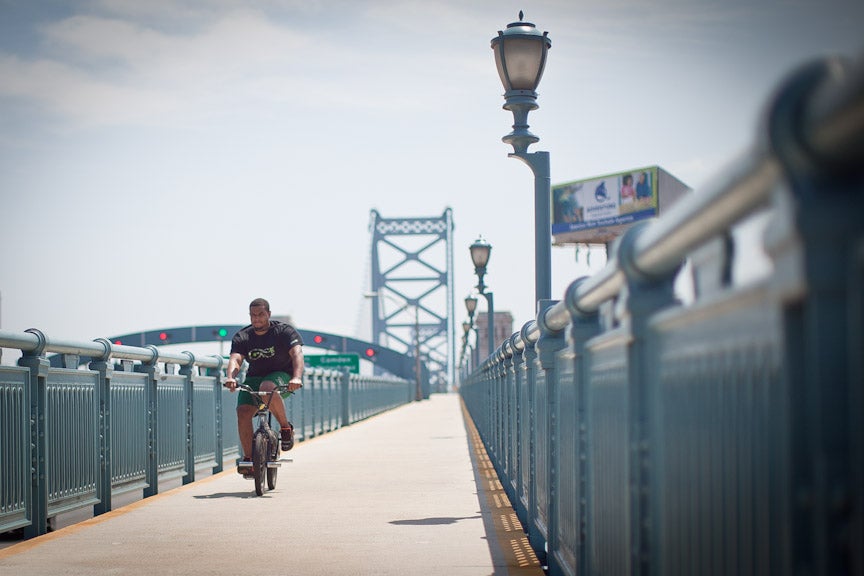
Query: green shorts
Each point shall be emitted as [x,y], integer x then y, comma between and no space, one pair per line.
[254,382]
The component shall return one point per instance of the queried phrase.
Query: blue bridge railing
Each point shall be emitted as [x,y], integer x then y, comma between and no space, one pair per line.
[637,434]
[73,438]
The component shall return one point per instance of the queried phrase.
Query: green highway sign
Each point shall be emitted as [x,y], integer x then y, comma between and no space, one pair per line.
[334,361]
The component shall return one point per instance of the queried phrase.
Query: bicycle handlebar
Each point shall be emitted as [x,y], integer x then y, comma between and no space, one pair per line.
[246,388]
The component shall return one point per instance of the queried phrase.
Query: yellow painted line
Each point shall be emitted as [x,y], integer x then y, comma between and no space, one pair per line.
[515,548]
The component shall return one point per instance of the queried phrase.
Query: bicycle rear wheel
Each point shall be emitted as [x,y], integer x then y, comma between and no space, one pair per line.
[259,462]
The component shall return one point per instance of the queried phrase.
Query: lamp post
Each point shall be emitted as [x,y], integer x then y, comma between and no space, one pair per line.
[520,56]
[480,252]
[471,307]
[466,328]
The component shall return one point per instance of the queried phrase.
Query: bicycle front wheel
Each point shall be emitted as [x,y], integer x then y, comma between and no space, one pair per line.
[259,462]
[271,478]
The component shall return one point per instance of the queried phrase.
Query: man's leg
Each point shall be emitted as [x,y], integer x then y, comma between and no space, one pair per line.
[245,413]
[277,407]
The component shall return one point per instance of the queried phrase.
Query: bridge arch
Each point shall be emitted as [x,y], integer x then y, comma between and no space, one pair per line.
[396,363]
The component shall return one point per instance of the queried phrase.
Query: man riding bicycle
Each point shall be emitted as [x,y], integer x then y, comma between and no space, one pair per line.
[274,351]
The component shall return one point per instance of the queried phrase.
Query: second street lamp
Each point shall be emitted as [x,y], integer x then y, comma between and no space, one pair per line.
[471,307]
[480,252]
[520,56]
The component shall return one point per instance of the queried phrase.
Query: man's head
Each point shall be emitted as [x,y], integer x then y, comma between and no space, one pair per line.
[259,314]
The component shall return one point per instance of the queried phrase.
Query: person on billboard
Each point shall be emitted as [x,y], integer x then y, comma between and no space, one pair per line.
[643,186]
[628,193]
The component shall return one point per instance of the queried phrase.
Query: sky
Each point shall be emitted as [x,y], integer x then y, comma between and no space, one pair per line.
[163,163]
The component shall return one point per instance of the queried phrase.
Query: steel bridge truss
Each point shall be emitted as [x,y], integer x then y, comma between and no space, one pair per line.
[412,290]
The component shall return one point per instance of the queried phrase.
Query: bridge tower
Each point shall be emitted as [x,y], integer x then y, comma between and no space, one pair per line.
[412,290]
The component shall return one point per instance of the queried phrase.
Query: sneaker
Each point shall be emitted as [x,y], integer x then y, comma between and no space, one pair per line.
[287,437]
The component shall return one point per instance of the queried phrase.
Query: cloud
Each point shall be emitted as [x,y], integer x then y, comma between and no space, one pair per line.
[104,70]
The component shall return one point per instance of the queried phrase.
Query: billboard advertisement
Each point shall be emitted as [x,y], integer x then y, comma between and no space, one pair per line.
[598,209]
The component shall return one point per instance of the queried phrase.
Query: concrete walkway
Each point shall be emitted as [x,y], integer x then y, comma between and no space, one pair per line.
[410,491]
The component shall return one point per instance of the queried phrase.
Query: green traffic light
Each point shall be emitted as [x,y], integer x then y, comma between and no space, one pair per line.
[223,332]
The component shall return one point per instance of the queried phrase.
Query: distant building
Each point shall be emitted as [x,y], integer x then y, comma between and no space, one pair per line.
[503,329]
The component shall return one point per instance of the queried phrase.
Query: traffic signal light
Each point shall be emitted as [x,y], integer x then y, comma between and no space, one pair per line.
[370,353]
[164,336]
[118,342]
[318,339]
[220,333]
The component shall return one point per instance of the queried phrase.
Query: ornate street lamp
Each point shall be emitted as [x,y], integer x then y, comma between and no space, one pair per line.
[466,328]
[520,56]
[471,306]
[480,252]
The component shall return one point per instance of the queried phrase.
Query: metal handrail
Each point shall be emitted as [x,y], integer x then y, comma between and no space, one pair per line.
[35,341]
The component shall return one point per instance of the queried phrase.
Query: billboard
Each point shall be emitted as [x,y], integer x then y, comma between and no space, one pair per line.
[599,209]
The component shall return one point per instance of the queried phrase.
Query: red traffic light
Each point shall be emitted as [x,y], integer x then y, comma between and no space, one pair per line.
[118,342]
[318,339]
[370,352]
[163,336]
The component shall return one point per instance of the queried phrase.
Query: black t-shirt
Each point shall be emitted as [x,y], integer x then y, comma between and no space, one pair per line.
[267,353]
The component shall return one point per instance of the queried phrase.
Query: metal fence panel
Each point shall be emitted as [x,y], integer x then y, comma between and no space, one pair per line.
[72,433]
[609,447]
[230,433]
[128,430]
[716,460]
[569,471]
[526,400]
[204,433]
[14,448]
[541,474]
[171,400]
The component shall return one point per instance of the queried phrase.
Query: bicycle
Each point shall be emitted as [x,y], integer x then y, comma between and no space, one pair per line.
[266,446]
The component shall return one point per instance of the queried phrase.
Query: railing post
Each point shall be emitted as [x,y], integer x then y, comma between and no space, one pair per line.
[188,371]
[583,327]
[548,345]
[529,355]
[219,415]
[313,401]
[105,370]
[494,408]
[151,370]
[822,323]
[642,297]
[37,498]
[504,417]
[512,422]
[521,431]
[345,390]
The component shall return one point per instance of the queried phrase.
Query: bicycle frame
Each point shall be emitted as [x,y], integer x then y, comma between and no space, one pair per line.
[266,447]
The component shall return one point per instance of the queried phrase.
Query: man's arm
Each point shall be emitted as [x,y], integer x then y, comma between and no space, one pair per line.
[298,363]
[234,363]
